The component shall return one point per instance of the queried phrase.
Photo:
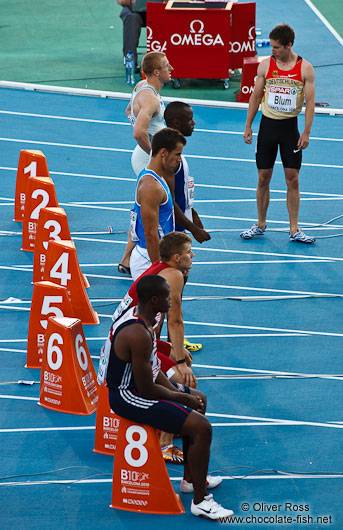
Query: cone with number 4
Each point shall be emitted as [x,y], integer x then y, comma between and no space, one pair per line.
[68,380]
[62,267]
[51,225]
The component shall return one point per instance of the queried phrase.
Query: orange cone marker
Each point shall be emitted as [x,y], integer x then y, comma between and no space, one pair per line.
[140,479]
[31,163]
[106,426]
[40,192]
[68,380]
[48,299]
[62,267]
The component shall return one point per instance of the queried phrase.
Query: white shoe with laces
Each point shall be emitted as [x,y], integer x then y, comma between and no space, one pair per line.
[210,509]
[211,483]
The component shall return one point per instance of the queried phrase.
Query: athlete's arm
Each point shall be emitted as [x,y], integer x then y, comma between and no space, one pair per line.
[148,106]
[150,195]
[138,341]
[197,232]
[255,99]
[308,77]
[175,323]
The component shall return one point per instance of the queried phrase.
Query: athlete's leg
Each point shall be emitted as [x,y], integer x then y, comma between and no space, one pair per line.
[197,435]
[262,195]
[293,198]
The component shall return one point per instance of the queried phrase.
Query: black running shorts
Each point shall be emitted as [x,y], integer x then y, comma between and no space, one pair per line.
[275,133]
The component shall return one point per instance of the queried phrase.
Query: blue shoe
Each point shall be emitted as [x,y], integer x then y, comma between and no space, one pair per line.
[300,237]
[255,230]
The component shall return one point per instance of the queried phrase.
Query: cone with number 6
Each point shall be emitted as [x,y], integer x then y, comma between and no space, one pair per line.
[62,267]
[68,379]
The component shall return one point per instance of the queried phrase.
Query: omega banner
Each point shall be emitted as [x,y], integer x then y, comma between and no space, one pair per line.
[200,42]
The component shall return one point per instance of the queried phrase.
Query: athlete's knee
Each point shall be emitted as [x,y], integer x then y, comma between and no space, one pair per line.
[198,428]
[264,177]
[292,178]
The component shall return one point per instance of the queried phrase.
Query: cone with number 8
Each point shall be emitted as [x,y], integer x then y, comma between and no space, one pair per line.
[140,479]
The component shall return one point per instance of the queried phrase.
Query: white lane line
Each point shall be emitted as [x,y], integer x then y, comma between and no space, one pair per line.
[284,330]
[267,372]
[120,150]
[272,420]
[23,398]
[13,350]
[46,429]
[325,21]
[205,201]
[127,124]
[75,482]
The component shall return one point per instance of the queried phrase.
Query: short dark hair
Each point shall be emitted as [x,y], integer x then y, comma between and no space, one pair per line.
[173,243]
[166,138]
[282,33]
[174,110]
[151,61]
[148,286]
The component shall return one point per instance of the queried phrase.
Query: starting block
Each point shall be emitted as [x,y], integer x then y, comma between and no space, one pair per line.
[62,267]
[106,426]
[140,479]
[40,192]
[51,225]
[48,299]
[31,163]
[68,380]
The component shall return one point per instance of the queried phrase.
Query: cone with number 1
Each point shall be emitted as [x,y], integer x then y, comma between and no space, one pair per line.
[31,163]
[62,267]
[68,380]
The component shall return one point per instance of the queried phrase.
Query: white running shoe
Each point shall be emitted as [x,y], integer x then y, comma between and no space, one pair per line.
[211,483]
[301,237]
[210,509]
[255,230]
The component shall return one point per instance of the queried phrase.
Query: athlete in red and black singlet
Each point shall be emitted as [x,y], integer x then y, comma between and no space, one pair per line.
[131,300]
[281,103]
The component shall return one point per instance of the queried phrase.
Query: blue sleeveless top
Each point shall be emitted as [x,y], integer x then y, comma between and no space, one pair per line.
[166,221]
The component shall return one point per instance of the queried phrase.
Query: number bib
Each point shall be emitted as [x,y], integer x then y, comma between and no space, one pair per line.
[282,99]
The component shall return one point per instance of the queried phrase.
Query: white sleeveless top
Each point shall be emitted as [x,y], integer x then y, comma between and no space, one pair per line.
[157,122]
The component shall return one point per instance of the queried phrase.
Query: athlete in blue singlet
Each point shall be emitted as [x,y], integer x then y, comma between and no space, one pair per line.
[153,213]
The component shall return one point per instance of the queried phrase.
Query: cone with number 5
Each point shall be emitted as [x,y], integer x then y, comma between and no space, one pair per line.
[62,267]
[68,380]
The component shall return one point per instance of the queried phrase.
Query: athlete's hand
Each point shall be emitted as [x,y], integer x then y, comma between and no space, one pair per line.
[248,135]
[187,375]
[303,141]
[194,402]
[200,234]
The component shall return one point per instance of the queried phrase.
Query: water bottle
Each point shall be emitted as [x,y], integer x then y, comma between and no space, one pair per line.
[260,43]
[130,68]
